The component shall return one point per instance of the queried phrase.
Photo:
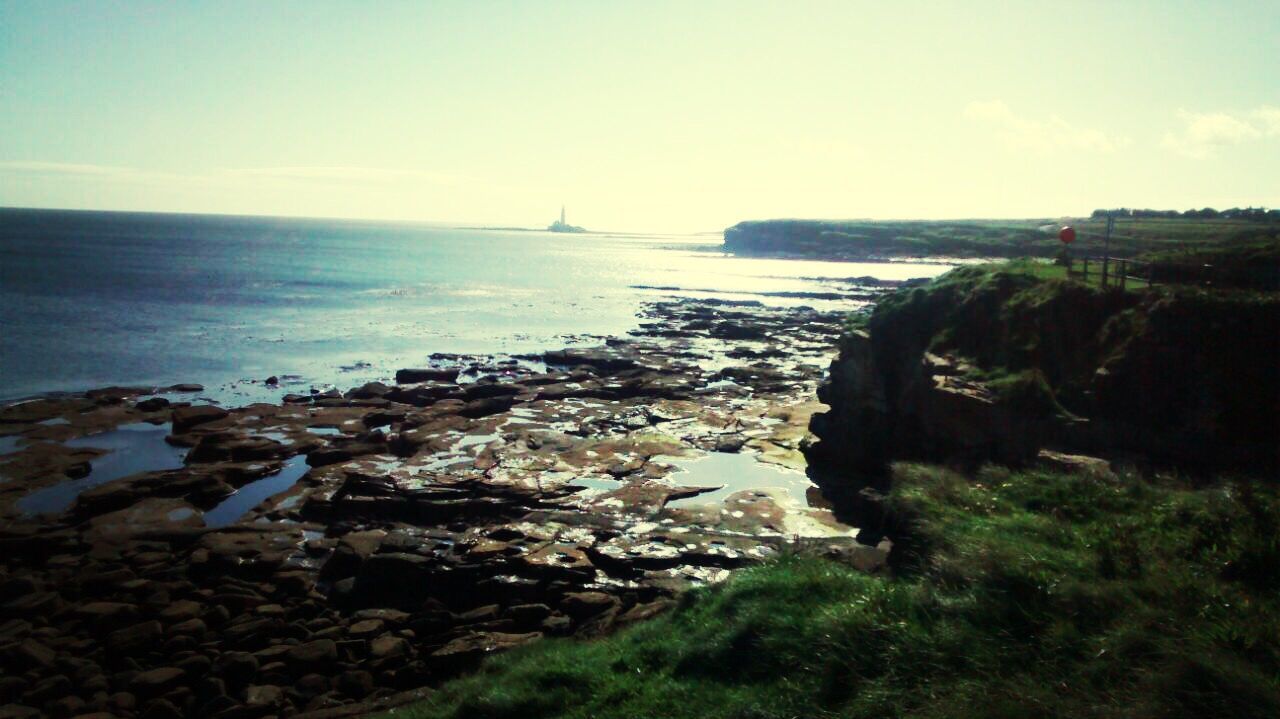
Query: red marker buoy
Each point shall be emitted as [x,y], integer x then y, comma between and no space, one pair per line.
[1067,235]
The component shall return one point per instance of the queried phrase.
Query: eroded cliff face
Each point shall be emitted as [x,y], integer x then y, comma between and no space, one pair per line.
[920,408]
[993,366]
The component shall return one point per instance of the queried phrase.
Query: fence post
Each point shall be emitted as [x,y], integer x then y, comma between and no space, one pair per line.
[1106,261]
[1124,272]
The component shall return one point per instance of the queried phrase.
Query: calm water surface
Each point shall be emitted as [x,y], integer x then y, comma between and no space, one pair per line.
[90,299]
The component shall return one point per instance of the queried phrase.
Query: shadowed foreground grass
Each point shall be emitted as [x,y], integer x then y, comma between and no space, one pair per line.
[1019,594]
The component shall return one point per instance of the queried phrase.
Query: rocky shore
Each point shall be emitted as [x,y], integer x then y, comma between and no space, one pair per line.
[161,556]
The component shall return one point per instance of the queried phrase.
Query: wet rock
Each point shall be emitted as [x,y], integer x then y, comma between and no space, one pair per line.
[227,447]
[581,605]
[428,374]
[369,390]
[529,614]
[466,652]
[604,359]
[488,406]
[78,470]
[342,449]
[187,418]
[730,443]
[153,404]
[383,418]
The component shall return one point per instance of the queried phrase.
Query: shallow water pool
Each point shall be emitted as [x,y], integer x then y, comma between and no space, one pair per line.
[732,473]
[133,448]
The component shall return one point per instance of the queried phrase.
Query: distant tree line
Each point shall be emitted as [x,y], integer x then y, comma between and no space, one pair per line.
[1257,214]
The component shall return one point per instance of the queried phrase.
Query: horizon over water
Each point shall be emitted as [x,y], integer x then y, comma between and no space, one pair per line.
[90,299]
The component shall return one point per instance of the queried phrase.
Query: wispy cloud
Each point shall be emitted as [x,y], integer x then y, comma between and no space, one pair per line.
[65,168]
[1023,133]
[1203,134]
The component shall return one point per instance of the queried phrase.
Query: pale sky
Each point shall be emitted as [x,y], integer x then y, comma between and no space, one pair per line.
[643,116]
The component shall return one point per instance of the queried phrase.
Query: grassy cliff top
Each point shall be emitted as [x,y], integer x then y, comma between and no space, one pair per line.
[860,239]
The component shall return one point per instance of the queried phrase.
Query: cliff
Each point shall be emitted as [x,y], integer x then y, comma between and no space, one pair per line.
[992,363]
[861,240]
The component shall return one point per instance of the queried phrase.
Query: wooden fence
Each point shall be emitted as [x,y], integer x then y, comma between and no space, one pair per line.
[1113,271]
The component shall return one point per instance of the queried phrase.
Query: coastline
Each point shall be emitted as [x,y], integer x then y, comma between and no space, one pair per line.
[551,494]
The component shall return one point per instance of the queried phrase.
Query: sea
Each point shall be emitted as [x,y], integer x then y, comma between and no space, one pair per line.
[93,299]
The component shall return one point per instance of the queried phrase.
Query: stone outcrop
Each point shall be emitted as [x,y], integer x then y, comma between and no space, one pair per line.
[994,366]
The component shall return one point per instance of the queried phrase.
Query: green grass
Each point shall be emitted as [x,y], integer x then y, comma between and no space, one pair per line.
[1014,594]
[864,239]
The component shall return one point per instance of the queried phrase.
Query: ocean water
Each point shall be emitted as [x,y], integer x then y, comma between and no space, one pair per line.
[89,299]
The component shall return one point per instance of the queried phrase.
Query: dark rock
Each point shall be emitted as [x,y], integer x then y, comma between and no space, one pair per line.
[311,685]
[103,616]
[603,359]
[488,406]
[71,706]
[153,404]
[156,681]
[187,418]
[388,647]
[262,697]
[486,390]
[226,447]
[161,709]
[430,374]
[320,652]
[341,449]
[382,418]
[139,636]
[529,614]
[238,668]
[356,684]
[32,653]
[466,652]
[580,605]
[78,470]
[370,390]
[48,689]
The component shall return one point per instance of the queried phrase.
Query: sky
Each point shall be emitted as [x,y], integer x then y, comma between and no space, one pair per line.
[639,116]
